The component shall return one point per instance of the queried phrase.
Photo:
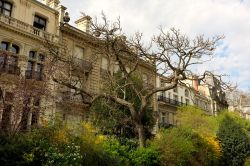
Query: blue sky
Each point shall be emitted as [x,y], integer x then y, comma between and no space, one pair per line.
[193,17]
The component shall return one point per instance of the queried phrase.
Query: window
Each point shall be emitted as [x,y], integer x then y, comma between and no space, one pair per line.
[32,55]
[35,66]
[163,94]
[41,57]
[186,93]
[4,46]
[104,63]
[181,99]
[79,52]
[175,97]
[15,49]
[163,117]
[5,8]
[39,22]
[175,89]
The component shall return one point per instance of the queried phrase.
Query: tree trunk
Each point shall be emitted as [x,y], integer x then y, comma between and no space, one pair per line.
[141,134]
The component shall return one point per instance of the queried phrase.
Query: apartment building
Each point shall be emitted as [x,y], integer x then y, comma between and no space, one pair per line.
[169,101]
[28,96]
[208,95]
[24,24]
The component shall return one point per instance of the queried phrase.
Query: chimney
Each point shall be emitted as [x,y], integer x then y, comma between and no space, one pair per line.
[52,3]
[195,83]
[83,23]
[61,10]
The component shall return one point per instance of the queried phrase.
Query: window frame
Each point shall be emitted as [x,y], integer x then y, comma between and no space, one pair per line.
[3,8]
[37,22]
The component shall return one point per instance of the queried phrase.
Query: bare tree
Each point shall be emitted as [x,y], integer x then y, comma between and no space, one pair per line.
[21,95]
[170,54]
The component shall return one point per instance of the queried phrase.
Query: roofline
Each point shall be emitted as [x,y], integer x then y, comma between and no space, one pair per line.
[44,6]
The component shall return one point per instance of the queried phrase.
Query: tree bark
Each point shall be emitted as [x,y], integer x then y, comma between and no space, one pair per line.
[141,134]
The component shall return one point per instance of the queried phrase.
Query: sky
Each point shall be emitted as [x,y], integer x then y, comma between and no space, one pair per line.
[230,18]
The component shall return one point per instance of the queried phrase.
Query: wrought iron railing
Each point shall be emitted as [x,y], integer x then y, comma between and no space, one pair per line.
[170,101]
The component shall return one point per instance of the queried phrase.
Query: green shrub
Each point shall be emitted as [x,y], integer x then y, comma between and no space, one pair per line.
[145,156]
[13,149]
[128,152]
[234,142]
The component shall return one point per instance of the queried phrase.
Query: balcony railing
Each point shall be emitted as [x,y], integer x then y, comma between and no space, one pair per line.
[82,65]
[29,74]
[170,101]
[22,26]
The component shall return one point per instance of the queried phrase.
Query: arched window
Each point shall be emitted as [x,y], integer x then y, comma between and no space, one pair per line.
[186,93]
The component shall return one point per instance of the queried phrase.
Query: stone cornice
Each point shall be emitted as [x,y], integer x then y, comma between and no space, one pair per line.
[44,6]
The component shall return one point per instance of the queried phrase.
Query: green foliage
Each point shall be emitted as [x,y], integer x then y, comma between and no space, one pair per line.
[175,145]
[13,150]
[198,120]
[145,156]
[234,142]
[129,153]
[54,146]
[183,146]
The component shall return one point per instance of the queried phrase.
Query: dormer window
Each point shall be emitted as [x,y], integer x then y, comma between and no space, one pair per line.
[39,22]
[5,8]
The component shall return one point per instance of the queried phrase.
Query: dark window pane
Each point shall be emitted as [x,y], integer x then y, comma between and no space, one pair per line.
[39,22]
[15,49]
[30,66]
[32,55]
[4,45]
[39,68]
[7,6]
[41,57]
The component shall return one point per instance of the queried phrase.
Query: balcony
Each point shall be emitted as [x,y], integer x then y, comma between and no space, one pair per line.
[29,74]
[81,65]
[26,28]
[170,101]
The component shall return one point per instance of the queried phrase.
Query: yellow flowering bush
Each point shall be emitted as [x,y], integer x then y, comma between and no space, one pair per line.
[215,145]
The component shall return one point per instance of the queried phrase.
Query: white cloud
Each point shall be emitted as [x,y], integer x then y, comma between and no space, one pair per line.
[209,17]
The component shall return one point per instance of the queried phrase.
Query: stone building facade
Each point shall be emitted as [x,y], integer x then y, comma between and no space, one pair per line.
[29,98]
